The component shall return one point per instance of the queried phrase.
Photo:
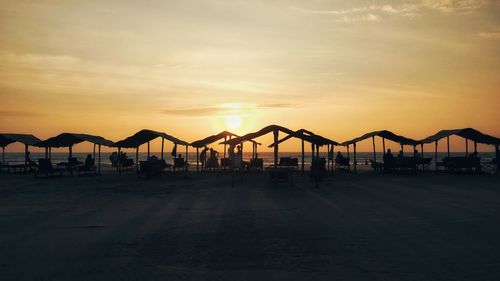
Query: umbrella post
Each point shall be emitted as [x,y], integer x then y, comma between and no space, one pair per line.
[99,161]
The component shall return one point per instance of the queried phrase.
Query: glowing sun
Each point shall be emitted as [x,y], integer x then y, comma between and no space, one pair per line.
[233,121]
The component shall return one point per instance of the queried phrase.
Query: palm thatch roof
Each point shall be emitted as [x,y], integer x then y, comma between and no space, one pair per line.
[315,139]
[6,139]
[467,133]
[211,139]
[143,136]
[383,134]
[308,136]
[70,139]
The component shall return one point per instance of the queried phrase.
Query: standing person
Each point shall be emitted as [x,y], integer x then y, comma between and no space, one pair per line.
[203,158]
[214,163]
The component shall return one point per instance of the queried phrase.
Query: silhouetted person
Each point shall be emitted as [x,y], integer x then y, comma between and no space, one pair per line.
[400,155]
[203,158]
[339,157]
[213,158]
[388,161]
[417,155]
[88,160]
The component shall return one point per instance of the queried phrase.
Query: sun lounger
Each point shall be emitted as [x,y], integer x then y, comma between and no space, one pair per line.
[45,168]
[179,164]
[151,168]
[289,162]
[342,164]
[458,164]
[88,168]
[256,164]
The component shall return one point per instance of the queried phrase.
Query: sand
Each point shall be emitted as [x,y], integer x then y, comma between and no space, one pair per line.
[353,227]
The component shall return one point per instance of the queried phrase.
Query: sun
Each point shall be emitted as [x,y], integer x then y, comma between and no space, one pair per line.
[233,121]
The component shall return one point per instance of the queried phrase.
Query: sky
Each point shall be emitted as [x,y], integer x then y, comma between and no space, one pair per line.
[194,68]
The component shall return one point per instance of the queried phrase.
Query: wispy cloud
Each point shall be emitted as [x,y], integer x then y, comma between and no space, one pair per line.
[232,108]
[20,114]
[377,12]
[494,34]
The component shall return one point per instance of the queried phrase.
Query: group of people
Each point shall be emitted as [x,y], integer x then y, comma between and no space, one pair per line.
[213,160]
[116,158]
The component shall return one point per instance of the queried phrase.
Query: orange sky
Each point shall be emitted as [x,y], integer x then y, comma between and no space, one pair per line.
[194,68]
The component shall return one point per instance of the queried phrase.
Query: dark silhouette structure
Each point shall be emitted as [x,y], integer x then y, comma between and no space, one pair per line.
[69,140]
[467,162]
[27,140]
[145,136]
[384,134]
[225,135]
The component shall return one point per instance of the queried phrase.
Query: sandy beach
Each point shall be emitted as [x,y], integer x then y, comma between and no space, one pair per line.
[196,227]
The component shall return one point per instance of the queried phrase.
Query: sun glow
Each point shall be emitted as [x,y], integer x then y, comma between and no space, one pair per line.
[233,121]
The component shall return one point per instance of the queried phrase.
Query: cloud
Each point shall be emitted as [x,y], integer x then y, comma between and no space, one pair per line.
[20,114]
[377,12]
[495,34]
[232,108]
[194,111]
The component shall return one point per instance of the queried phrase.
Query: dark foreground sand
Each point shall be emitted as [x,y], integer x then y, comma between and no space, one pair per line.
[365,227]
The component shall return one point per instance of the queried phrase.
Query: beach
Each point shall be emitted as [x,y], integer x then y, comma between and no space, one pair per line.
[363,226]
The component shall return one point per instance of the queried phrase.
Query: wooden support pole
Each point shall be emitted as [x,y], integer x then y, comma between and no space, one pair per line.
[162,146]
[275,133]
[383,144]
[3,154]
[50,153]
[148,150]
[497,156]
[187,158]
[448,145]
[475,146]
[253,150]
[348,154]
[303,156]
[332,168]
[374,152]
[46,153]
[197,159]
[118,167]
[355,161]
[422,153]
[466,147]
[99,161]
[312,154]
[225,139]
[402,148]
[328,157]
[436,155]
[137,159]
[70,151]
[25,157]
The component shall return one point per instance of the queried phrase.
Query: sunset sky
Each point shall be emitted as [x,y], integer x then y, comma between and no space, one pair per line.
[193,68]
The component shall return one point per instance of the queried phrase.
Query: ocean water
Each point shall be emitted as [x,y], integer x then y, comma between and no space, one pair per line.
[362,157]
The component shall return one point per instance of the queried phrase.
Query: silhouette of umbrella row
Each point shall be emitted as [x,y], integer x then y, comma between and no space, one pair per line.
[231,139]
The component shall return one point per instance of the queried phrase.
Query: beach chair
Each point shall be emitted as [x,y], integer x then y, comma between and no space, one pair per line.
[377,166]
[88,167]
[45,167]
[179,164]
[127,163]
[289,162]
[406,164]
[342,164]
[151,168]
[225,163]
[256,164]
